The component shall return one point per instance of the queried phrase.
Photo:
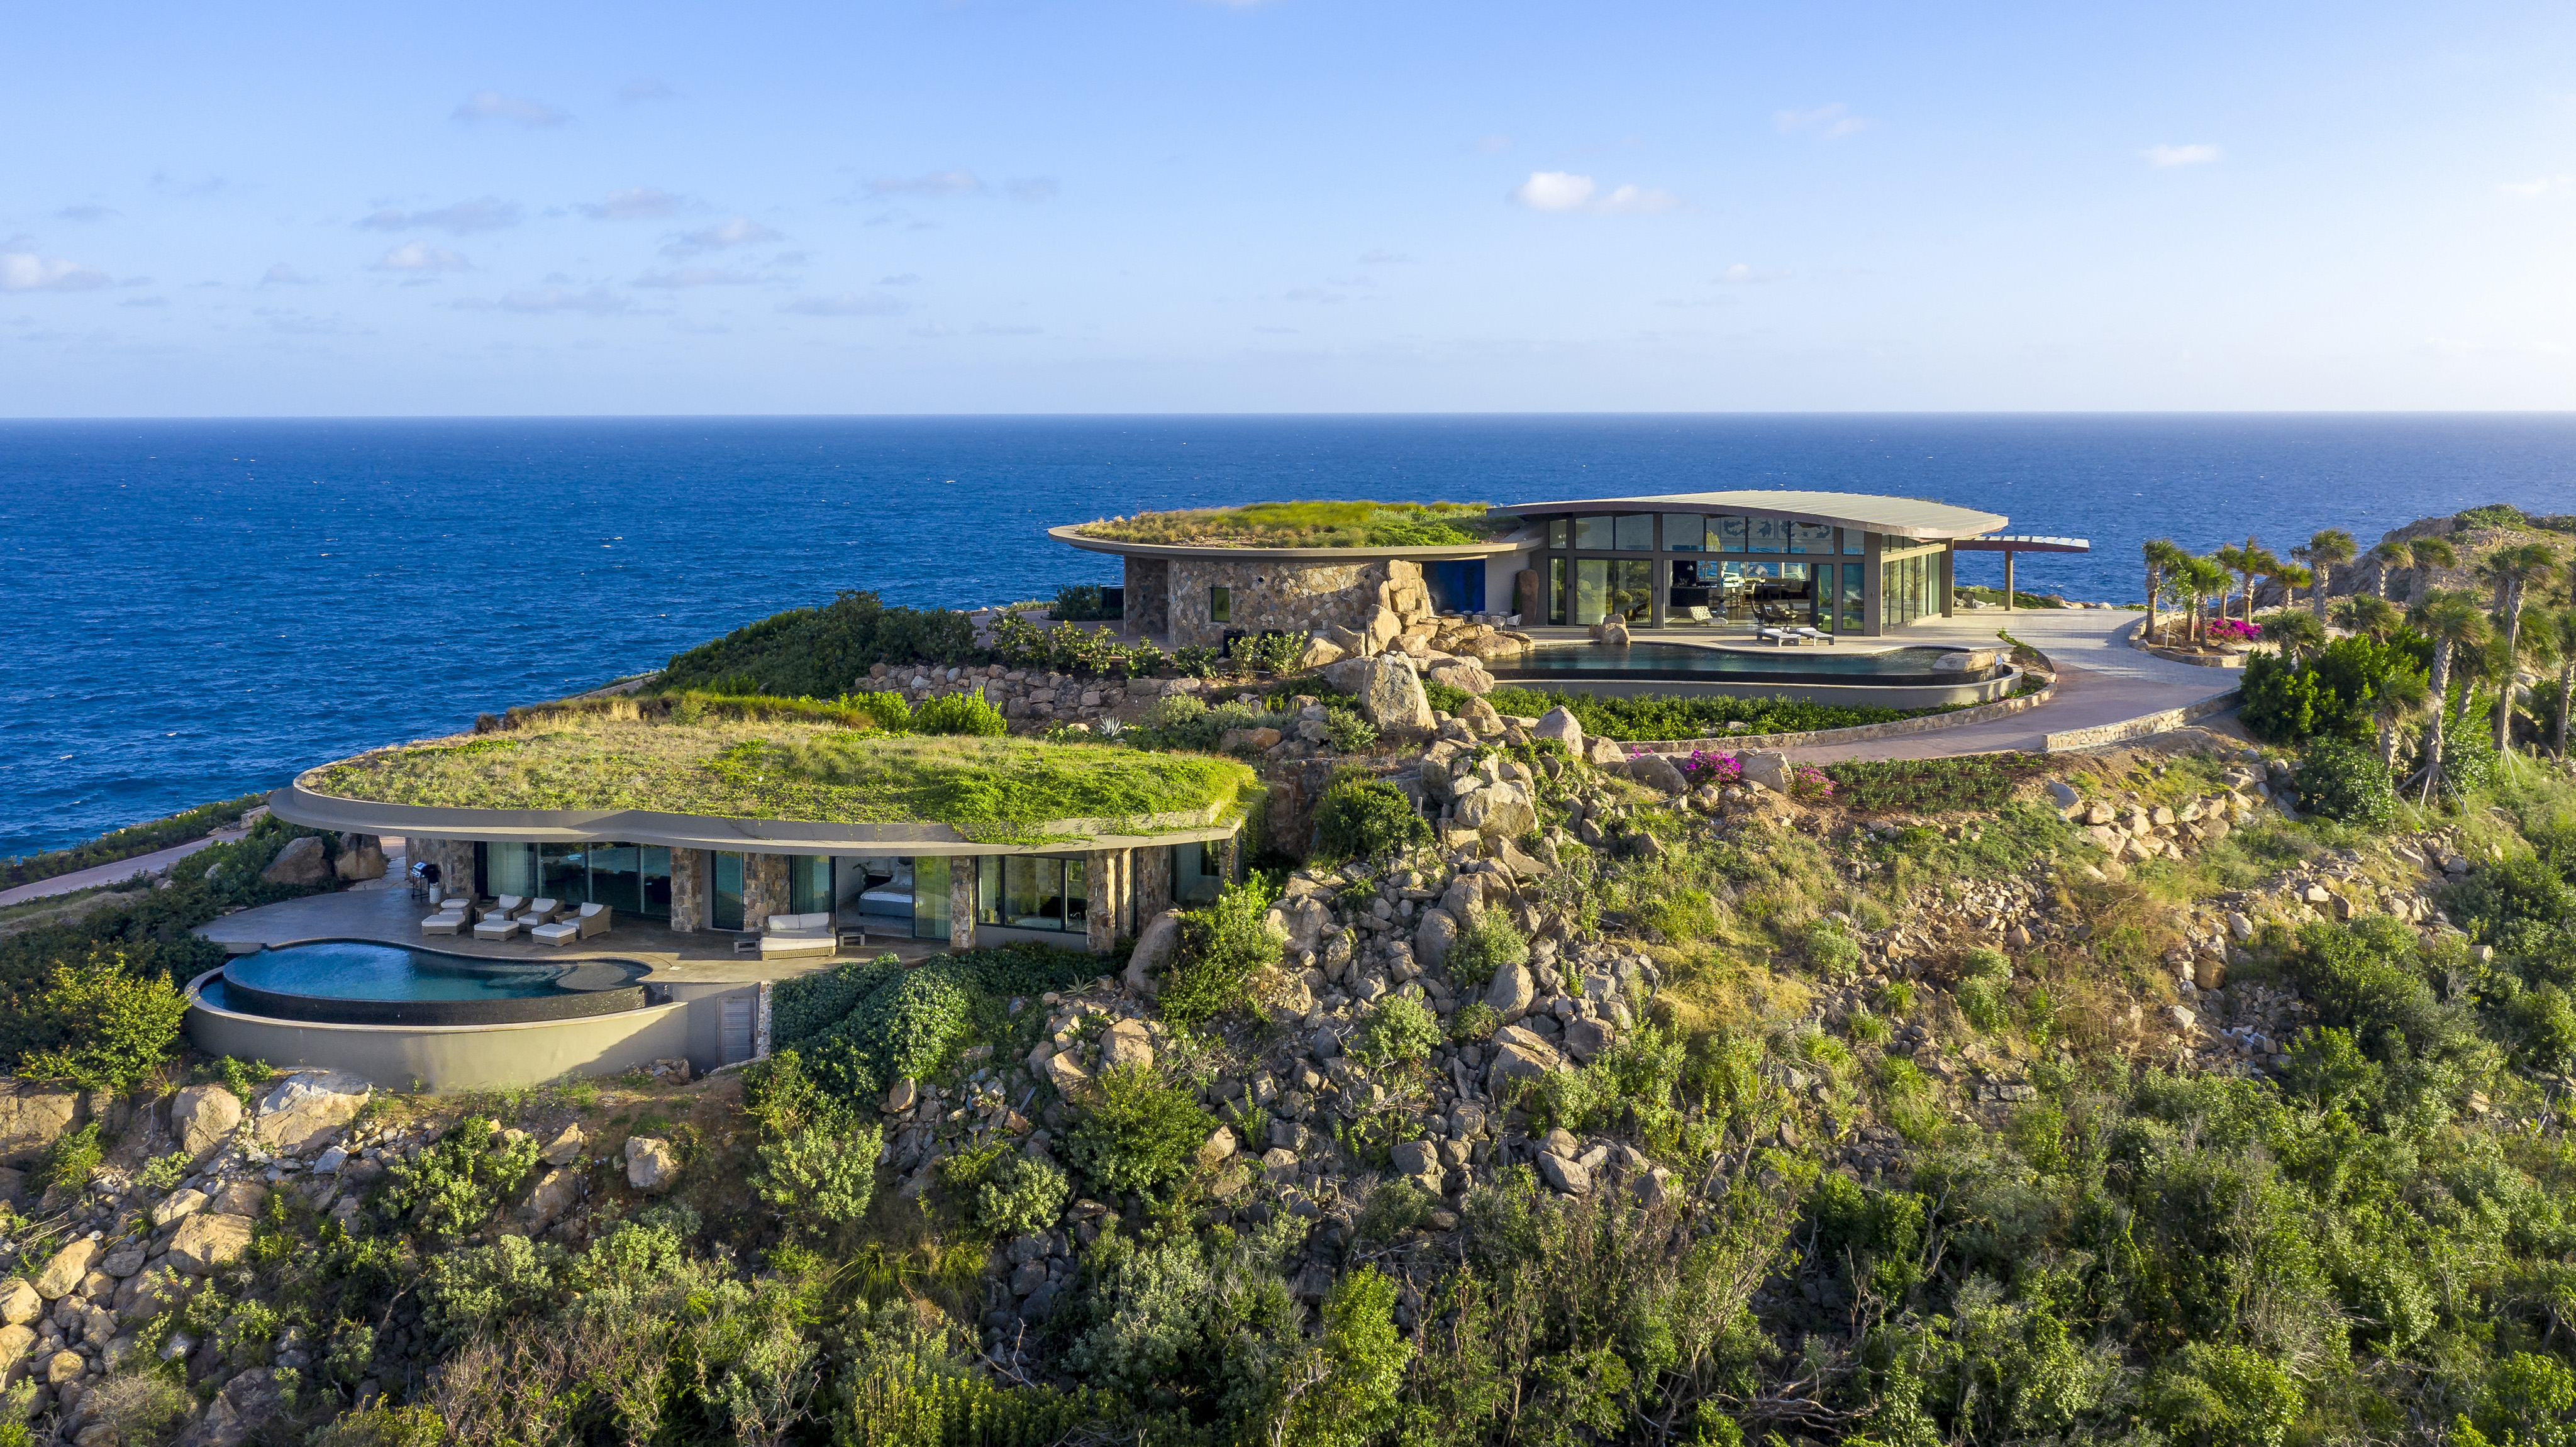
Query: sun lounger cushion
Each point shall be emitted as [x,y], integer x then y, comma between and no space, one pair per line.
[496,927]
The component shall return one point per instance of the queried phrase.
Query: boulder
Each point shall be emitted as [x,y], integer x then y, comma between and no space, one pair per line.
[1416,1158]
[1498,811]
[19,1302]
[651,1164]
[1515,1060]
[202,1117]
[1586,1039]
[63,1271]
[15,1342]
[31,1120]
[206,1242]
[1511,990]
[1433,937]
[1126,1043]
[1319,651]
[141,1298]
[239,1198]
[555,1193]
[1767,767]
[1154,946]
[1563,1175]
[1380,627]
[1465,675]
[362,856]
[1350,642]
[1219,1147]
[178,1206]
[1067,1075]
[565,1148]
[306,1109]
[1562,726]
[302,862]
[1604,753]
[1392,697]
[1658,773]
[1611,632]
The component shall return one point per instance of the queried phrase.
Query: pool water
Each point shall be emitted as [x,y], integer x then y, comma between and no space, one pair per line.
[1801,664]
[352,970]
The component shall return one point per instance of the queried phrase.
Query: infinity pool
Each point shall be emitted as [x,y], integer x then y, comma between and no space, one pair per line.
[1682,662]
[354,982]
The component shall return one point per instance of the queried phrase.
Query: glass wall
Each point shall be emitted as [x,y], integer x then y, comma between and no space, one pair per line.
[809,883]
[1198,873]
[1556,591]
[930,897]
[1685,532]
[1032,891]
[1854,619]
[724,892]
[1795,584]
[507,869]
[1909,588]
[633,879]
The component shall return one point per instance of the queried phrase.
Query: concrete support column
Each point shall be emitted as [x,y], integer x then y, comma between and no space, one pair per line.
[1949,575]
[962,871]
[764,889]
[688,891]
[2008,580]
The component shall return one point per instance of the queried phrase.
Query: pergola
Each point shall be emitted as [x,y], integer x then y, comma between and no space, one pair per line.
[2009,544]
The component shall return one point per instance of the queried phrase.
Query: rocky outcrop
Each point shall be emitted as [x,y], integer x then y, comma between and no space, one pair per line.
[651,1164]
[1391,697]
[362,856]
[32,1118]
[303,862]
[299,1114]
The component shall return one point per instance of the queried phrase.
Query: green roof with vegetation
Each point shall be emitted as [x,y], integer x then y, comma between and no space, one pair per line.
[1308,525]
[993,790]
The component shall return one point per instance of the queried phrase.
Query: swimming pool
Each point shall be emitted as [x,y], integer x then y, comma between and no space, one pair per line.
[1894,667]
[352,982]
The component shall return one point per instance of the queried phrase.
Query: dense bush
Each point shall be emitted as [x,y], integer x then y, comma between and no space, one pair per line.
[1400,1029]
[112,1025]
[1361,817]
[1221,949]
[820,1175]
[1487,942]
[2345,780]
[1138,1132]
[126,843]
[1688,718]
[819,652]
[452,1187]
[1932,786]
[1082,603]
[1018,1195]
[959,713]
[858,1028]
[2334,692]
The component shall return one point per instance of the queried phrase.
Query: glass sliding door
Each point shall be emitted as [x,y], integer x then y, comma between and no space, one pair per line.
[1198,874]
[1591,591]
[563,873]
[653,868]
[1556,591]
[1632,588]
[508,869]
[724,892]
[930,897]
[809,883]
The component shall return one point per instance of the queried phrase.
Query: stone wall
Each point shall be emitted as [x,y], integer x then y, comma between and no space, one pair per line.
[961,901]
[1149,584]
[764,889]
[1153,891]
[1268,596]
[454,858]
[688,890]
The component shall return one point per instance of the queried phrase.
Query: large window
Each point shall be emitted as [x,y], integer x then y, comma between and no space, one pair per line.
[1635,532]
[508,869]
[1198,873]
[1854,618]
[809,883]
[1592,535]
[1220,604]
[1685,532]
[724,892]
[1032,891]
[1556,591]
[1810,538]
[930,897]
[1591,591]
[1765,535]
[1730,534]
[1909,588]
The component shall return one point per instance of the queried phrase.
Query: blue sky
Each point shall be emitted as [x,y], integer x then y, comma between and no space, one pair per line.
[1174,205]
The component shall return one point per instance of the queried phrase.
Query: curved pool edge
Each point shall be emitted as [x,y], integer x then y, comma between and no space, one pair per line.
[1932,695]
[446,1057]
[629,993]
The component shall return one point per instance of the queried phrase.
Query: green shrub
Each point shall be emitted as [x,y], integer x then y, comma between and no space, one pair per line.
[482,1288]
[1020,1196]
[901,1031]
[1348,733]
[1679,718]
[1830,949]
[959,713]
[2528,1399]
[1982,782]
[1364,818]
[162,1174]
[455,1184]
[1487,941]
[820,1175]
[2468,749]
[1395,1205]
[2344,780]
[1474,1021]
[1401,1028]
[1981,991]
[806,1005]
[138,1407]
[816,652]
[1681,916]
[1081,603]
[1138,1133]
[382,1425]
[66,1163]
[2226,1396]
[113,1025]
[1221,949]
[2364,976]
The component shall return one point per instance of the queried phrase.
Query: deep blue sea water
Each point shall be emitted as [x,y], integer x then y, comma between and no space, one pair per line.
[198,609]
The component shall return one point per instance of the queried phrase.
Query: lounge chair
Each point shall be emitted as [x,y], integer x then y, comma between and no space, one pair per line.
[1776,637]
[1695,613]
[451,918]
[1815,635]
[799,934]
[540,911]
[591,919]
[500,921]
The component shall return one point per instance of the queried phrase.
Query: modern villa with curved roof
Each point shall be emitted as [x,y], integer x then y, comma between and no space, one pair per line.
[1846,564]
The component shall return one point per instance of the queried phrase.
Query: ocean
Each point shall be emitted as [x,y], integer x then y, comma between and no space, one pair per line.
[203,608]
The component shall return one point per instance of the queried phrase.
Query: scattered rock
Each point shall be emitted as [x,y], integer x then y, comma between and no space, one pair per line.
[239,1198]
[1511,990]
[1433,938]
[651,1164]
[1126,1043]
[555,1193]
[179,1204]
[1564,1175]
[1154,946]
[1559,724]
[20,1303]
[565,1148]
[63,1271]
[207,1242]
[1392,697]
[303,1112]
[32,1119]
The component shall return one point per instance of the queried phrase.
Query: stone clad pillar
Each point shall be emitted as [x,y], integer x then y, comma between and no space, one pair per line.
[1104,878]
[764,889]
[1152,866]
[688,891]
[962,871]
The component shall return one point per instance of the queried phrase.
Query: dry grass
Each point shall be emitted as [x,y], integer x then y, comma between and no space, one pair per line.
[986,788]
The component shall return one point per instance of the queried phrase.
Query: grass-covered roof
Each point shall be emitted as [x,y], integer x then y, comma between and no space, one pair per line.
[987,789]
[1306,525]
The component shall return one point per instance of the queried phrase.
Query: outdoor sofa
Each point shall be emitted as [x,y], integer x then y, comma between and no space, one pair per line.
[799,934]
[590,919]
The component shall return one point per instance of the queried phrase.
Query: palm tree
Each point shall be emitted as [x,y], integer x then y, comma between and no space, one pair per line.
[2365,613]
[2430,553]
[2454,624]
[2511,571]
[2560,626]
[2247,560]
[2292,578]
[2161,556]
[2391,555]
[2205,578]
[2324,553]
[2399,697]
[2298,635]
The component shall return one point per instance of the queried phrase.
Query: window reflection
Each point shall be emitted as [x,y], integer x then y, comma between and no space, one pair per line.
[1635,532]
[1685,532]
[1592,534]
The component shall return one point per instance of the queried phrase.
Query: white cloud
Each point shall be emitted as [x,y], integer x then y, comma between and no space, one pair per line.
[26,271]
[2544,186]
[491,105]
[647,89]
[597,301]
[1563,192]
[1741,274]
[86,211]
[636,203]
[929,183]
[285,275]
[846,304]
[2166,157]
[740,231]
[1826,122]
[1030,188]
[421,256]
[688,276]
[483,213]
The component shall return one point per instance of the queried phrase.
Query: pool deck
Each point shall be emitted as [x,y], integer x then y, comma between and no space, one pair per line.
[392,916]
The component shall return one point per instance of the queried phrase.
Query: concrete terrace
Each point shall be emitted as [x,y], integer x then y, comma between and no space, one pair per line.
[2101,681]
